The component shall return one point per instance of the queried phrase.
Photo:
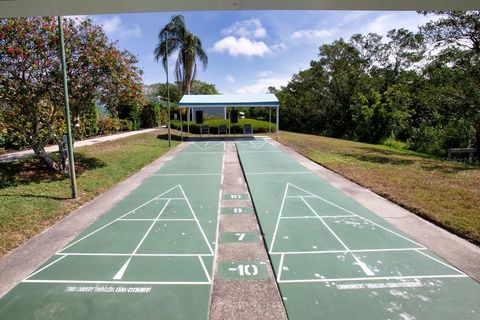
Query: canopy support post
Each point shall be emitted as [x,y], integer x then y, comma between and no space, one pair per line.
[181,123]
[188,121]
[278,125]
[269,119]
[229,121]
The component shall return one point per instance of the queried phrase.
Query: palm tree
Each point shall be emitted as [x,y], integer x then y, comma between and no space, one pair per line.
[189,47]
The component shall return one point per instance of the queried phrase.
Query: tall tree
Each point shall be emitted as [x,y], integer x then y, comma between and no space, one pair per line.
[30,78]
[457,35]
[189,47]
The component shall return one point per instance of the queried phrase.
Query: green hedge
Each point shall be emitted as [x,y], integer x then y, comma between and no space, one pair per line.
[257,125]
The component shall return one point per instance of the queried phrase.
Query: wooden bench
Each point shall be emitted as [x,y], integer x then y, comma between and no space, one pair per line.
[204,129]
[470,151]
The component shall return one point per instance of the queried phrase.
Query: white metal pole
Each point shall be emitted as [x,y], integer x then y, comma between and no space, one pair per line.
[278,117]
[269,119]
[188,121]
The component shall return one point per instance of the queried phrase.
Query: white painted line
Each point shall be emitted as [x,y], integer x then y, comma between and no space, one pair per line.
[315,217]
[101,228]
[204,148]
[291,172]
[150,228]
[205,269]
[196,219]
[346,251]
[362,265]
[300,217]
[184,174]
[441,262]
[280,267]
[266,151]
[199,152]
[326,225]
[40,270]
[115,282]
[301,197]
[102,254]
[278,219]
[119,274]
[373,278]
[164,219]
[344,209]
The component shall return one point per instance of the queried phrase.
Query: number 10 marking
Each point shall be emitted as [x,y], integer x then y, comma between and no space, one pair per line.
[246,269]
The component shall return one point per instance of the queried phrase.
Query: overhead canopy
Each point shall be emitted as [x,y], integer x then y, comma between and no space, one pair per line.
[22,8]
[229,100]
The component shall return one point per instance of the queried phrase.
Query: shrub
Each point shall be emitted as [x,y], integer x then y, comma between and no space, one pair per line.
[427,139]
[394,143]
[130,112]
[150,116]
[126,125]
[88,124]
[458,133]
[257,125]
[108,125]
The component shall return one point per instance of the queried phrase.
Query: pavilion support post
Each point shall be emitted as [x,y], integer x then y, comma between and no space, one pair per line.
[229,122]
[188,121]
[277,128]
[181,124]
[269,119]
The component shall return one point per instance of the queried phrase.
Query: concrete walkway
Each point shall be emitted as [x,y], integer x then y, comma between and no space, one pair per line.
[12,156]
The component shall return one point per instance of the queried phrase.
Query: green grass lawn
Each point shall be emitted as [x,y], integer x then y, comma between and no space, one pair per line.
[446,193]
[33,197]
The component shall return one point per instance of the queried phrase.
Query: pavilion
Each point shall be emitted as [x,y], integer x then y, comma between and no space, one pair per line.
[226,101]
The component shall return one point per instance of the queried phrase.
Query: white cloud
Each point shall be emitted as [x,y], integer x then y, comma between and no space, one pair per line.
[230,78]
[395,20]
[353,16]
[241,46]
[261,85]
[264,73]
[116,29]
[246,28]
[281,46]
[314,34]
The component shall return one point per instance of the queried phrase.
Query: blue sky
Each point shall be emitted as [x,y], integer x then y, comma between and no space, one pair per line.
[250,50]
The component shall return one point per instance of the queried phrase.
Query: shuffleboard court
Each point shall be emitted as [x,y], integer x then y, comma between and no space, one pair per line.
[334,259]
[150,257]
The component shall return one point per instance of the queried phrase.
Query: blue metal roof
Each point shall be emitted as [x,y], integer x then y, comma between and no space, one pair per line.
[230,100]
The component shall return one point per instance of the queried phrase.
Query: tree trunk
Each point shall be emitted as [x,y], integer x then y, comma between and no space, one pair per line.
[62,150]
[39,150]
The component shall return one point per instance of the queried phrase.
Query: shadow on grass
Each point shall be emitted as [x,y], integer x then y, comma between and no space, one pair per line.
[165,137]
[33,170]
[398,153]
[451,167]
[379,159]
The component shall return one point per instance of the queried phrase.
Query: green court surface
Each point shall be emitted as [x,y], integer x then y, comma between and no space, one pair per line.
[150,257]
[334,259]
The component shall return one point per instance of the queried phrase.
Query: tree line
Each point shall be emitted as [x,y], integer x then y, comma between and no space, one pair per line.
[422,88]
